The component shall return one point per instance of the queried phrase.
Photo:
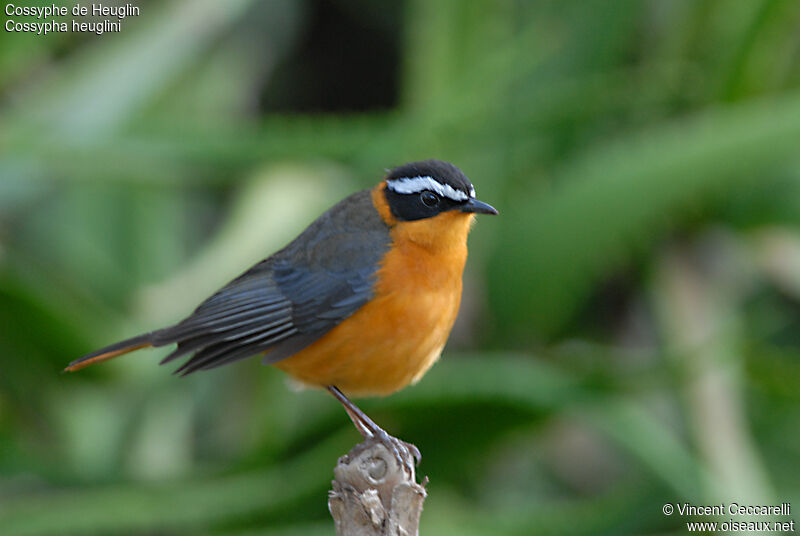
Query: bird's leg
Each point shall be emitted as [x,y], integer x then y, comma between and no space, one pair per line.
[369,430]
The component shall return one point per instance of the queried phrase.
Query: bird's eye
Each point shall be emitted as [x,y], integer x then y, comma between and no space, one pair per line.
[429,199]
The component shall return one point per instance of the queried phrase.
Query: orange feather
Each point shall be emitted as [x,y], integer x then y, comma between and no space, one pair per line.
[398,335]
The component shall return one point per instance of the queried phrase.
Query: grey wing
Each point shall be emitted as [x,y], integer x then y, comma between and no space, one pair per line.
[291,299]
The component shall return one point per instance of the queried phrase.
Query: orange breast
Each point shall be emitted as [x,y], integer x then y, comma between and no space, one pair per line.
[395,338]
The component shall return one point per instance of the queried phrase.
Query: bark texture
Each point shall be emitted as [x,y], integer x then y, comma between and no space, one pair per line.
[374,495]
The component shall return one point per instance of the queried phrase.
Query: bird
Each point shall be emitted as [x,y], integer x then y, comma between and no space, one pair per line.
[361,303]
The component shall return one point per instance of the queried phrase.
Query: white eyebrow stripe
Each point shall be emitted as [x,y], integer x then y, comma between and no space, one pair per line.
[415,185]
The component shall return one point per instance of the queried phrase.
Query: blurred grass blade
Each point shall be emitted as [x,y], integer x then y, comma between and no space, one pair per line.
[639,432]
[98,93]
[156,508]
[533,385]
[620,197]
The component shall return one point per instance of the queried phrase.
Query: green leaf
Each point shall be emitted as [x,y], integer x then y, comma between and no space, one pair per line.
[619,198]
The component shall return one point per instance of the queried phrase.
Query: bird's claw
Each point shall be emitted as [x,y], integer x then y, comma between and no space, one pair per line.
[403,452]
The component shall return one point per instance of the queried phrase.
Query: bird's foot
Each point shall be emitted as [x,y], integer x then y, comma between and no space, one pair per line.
[406,454]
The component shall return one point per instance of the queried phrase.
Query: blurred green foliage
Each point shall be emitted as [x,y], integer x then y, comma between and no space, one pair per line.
[628,333]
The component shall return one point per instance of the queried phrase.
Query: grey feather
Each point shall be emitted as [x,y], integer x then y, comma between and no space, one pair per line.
[291,299]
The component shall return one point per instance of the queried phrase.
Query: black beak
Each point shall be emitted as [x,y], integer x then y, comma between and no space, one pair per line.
[478,207]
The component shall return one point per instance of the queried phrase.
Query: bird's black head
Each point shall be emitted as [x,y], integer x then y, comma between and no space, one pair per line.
[425,189]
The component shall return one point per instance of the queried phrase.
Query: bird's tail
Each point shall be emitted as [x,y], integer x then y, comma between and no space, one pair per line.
[110,352]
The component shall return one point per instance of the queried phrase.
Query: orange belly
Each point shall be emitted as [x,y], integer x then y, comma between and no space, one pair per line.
[395,338]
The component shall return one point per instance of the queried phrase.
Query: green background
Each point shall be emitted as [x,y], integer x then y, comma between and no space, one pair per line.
[628,335]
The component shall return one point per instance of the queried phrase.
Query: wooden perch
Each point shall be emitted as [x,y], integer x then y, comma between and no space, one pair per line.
[373,495]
